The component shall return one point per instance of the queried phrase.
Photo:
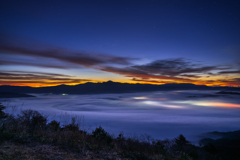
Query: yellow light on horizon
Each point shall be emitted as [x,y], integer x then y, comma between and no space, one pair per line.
[211,104]
[219,104]
[159,104]
[140,97]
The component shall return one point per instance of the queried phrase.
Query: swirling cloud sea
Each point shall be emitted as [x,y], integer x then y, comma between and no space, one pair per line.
[158,114]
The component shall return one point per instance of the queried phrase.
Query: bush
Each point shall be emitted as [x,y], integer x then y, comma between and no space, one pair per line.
[32,120]
[73,126]
[100,134]
[159,147]
[54,125]
[210,148]
[2,114]
[181,140]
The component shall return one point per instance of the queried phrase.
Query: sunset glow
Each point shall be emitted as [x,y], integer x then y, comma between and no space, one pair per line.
[218,104]
[120,79]
[140,97]
[97,42]
[210,104]
[156,103]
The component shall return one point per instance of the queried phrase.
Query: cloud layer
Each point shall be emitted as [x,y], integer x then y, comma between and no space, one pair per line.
[178,70]
[84,59]
[174,70]
[37,78]
[174,67]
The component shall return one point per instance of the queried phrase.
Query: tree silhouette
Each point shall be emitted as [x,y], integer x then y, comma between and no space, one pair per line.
[181,140]
[2,114]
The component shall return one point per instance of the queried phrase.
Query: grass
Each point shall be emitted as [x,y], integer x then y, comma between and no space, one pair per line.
[29,135]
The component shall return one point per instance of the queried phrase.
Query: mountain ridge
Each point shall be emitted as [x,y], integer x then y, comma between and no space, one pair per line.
[110,87]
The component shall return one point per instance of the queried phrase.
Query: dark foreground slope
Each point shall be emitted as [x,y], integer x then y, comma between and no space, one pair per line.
[29,135]
[109,87]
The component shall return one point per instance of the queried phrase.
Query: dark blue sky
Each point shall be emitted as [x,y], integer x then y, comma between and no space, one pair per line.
[169,33]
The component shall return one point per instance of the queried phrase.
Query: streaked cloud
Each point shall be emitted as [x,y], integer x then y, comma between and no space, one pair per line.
[174,67]
[178,70]
[37,78]
[173,70]
[86,59]
[230,72]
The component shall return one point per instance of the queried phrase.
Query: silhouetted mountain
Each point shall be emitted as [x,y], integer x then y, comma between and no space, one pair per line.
[108,87]
[13,95]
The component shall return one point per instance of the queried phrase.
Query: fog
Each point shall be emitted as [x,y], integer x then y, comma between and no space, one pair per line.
[158,114]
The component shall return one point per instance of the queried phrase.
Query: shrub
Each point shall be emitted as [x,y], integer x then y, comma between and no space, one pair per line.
[73,126]
[210,148]
[2,114]
[100,134]
[32,120]
[159,147]
[181,140]
[54,125]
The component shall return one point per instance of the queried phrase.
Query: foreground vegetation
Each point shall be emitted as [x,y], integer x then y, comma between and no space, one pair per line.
[29,135]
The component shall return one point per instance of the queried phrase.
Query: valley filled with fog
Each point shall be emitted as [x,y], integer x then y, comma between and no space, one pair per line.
[161,115]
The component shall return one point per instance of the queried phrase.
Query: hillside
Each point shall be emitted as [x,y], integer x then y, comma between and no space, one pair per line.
[30,135]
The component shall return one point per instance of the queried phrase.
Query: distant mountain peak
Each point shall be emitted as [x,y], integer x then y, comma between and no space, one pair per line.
[109,87]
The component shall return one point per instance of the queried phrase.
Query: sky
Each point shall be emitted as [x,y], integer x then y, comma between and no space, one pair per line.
[53,42]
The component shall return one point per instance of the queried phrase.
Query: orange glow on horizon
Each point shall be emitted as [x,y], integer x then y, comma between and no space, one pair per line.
[46,83]
[39,84]
[211,104]
[219,104]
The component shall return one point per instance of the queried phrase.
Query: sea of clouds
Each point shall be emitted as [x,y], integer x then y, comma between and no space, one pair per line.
[161,115]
